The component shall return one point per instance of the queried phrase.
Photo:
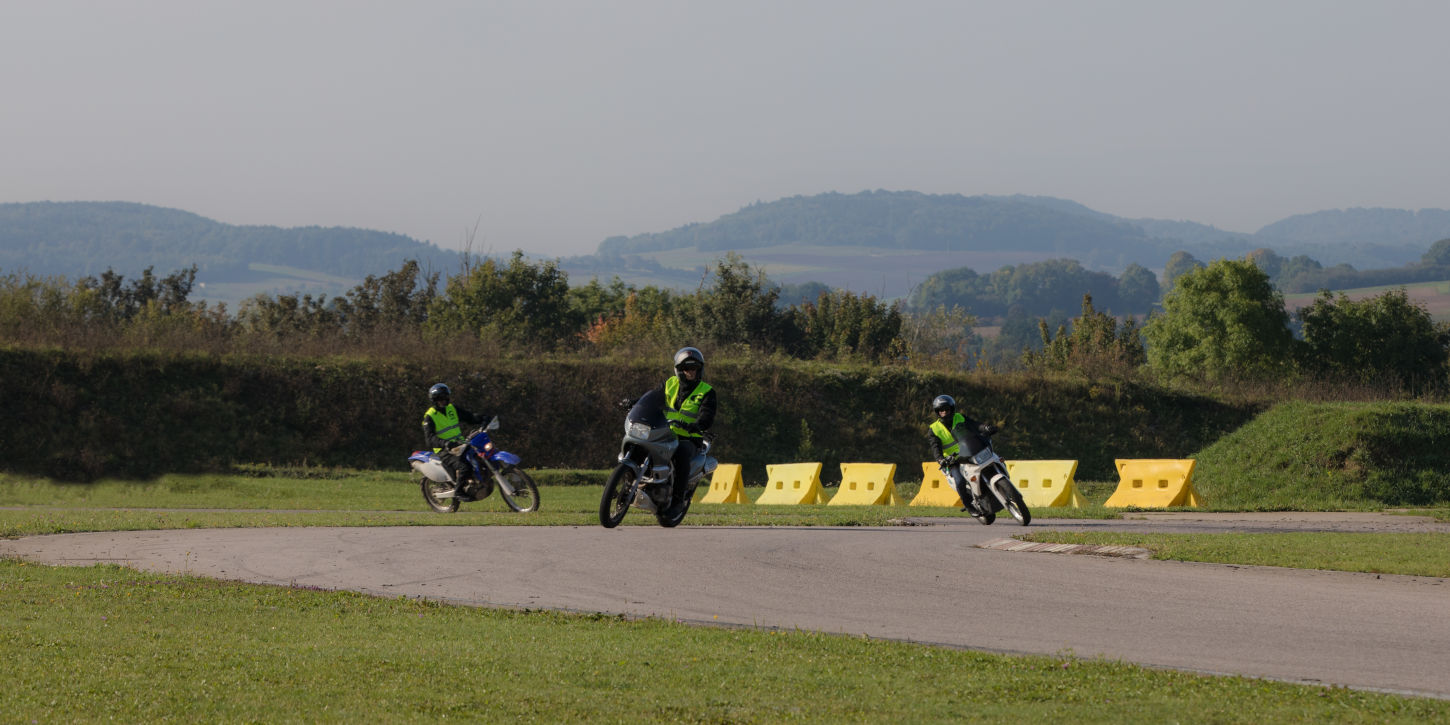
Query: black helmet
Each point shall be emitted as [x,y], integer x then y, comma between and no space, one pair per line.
[944,402]
[689,357]
[439,391]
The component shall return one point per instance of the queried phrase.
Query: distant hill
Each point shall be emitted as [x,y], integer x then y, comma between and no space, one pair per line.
[79,239]
[879,242]
[1359,226]
[884,242]
[906,220]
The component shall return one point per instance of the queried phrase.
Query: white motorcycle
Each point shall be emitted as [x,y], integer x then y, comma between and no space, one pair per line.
[988,487]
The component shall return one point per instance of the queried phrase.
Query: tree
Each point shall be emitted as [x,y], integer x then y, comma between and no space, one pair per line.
[120,302]
[1223,321]
[1178,265]
[396,301]
[1439,253]
[739,307]
[1379,339]
[1138,289]
[842,325]
[1096,347]
[519,303]
[941,334]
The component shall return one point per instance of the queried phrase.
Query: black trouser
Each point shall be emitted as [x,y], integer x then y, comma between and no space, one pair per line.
[684,453]
[455,465]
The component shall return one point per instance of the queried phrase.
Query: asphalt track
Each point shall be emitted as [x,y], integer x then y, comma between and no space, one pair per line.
[927,583]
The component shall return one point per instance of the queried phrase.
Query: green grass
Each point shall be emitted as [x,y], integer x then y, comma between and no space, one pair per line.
[360,498]
[108,643]
[1416,554]
[1330,456]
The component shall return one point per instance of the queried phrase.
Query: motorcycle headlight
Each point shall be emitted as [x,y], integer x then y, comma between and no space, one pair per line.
[639,430]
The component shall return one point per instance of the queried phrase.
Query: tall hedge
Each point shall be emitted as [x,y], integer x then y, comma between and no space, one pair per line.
[79,416]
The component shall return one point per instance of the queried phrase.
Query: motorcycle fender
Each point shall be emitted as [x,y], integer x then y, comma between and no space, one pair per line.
[999,476]
[431,468]
[504,457]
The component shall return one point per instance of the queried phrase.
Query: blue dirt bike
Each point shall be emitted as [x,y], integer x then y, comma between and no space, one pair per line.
[490,466]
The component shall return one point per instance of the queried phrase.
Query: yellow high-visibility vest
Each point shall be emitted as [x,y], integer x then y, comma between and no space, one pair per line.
[944,434]
[688,410]
[445,423]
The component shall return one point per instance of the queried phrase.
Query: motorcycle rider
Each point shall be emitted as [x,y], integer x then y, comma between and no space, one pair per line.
[944,446]
[690,408]
[442,433]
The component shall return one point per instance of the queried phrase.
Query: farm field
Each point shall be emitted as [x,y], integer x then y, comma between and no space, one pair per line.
[1433,296]
[884,273]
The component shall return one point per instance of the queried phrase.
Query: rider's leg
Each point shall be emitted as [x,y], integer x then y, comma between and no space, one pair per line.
[959,482]
[684,454]
[457,467]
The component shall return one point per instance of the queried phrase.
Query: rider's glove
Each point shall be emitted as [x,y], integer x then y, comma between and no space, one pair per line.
[942,462]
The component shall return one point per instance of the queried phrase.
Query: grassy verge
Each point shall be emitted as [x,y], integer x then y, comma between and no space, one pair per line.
[1419,554]
[1331,456]
[385,499]
[104,642]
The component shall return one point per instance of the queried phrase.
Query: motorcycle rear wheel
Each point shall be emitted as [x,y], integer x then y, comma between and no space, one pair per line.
[526,495]
[618,495]
[431,491]
[1015,505]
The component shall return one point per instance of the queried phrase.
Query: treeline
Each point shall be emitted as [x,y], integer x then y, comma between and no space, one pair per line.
[1037,289]
[1301,273]
[490,307]
[1221,322]
[1225,322]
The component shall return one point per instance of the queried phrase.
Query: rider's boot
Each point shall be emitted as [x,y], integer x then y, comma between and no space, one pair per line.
[460,486]
[677,489]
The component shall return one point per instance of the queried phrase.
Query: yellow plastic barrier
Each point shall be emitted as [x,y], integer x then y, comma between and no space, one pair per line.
[1046,484]
[1154,483]
[867,484]
[726,486]
[936,489]
[792,483]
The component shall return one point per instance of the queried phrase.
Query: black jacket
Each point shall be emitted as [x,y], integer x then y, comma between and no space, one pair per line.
[430,434]
[981,430]
[707,403]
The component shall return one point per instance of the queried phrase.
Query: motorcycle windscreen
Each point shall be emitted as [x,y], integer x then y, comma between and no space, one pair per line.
[650,410]
[969,442]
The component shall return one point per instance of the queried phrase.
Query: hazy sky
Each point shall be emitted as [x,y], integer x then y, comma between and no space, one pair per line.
[553,125]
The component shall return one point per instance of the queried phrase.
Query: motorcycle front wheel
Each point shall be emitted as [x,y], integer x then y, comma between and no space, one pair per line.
[618,495]
[432,489]
[526,495]
[1013,498]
